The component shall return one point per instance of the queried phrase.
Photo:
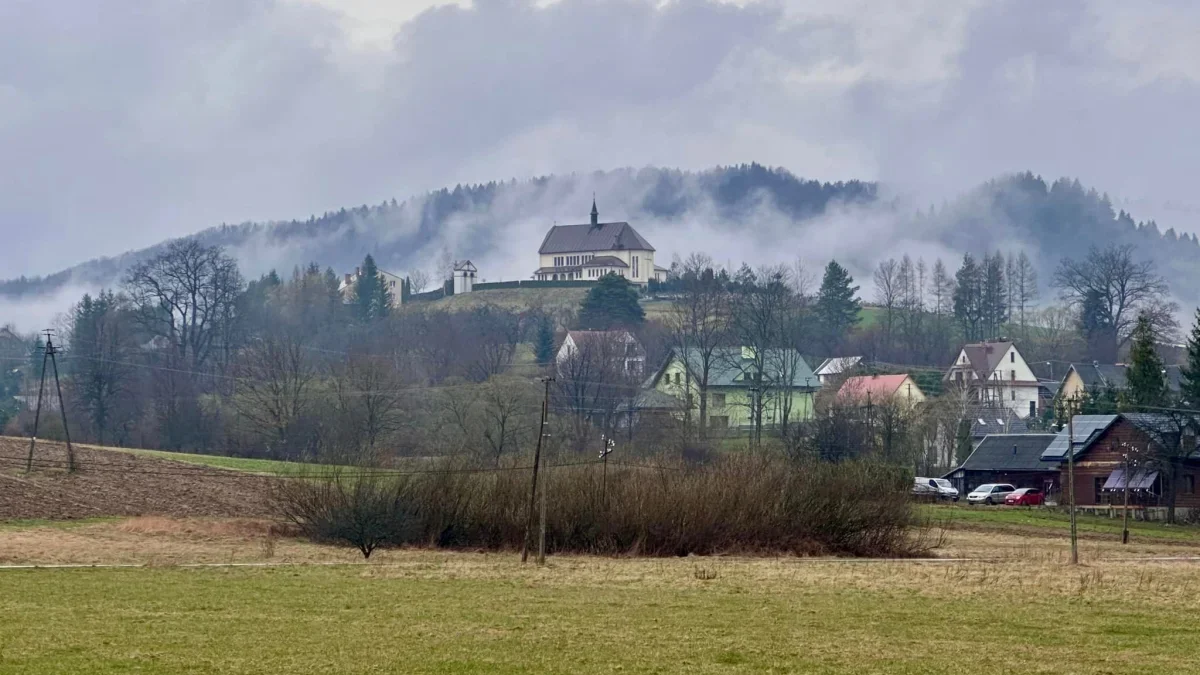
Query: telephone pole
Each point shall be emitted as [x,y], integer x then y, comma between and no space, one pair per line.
[537,459]
[1125,513]
[37,414]
[1071,481]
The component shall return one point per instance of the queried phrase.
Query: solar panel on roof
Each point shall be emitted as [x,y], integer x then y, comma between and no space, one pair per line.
[1085,426]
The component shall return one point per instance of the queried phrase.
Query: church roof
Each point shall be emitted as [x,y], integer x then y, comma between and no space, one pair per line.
[599,237]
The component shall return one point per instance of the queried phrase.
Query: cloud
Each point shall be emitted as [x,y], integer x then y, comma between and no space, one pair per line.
[121,126]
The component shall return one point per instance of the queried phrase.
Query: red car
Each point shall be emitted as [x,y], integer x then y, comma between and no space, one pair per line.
[1024,497]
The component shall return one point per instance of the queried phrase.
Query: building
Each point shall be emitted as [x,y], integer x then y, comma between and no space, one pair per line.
[830,369]
[617,344]
[1094,378]
[589,251]
[1008,458]
[394,284]
[881,389]
[464,276]
[995,373]
[730,384]
[987,420]
[1153,443]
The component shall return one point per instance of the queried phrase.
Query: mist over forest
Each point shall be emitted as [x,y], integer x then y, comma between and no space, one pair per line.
[747,213]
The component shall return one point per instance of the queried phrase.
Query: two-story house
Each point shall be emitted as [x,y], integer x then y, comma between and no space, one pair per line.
[788,385]
[995,373]
[393,282]
[589,251]
[615,344]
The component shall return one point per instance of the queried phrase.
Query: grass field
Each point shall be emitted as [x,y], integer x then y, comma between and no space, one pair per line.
[439,612]
[1026,519]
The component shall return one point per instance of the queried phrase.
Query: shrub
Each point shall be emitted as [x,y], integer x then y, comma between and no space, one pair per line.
[735,504]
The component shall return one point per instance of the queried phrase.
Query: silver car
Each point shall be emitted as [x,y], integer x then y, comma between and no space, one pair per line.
[990,493]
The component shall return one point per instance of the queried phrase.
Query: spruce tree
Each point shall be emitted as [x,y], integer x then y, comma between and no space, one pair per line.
[544,345]
[837,307]
[1145,379]
[1189,381]
[968,298]
[372,298]
[612,302]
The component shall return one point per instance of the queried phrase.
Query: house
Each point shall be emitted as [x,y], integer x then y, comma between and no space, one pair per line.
[620,344]
[589,251]
[661,274]
[394,284]
[730,384]
[988,420]
[1098,377]
[1007,458]
[995,373]
[830,369]
[1153,442]
[881,389]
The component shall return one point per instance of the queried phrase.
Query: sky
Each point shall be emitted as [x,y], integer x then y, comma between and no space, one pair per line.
[122,124]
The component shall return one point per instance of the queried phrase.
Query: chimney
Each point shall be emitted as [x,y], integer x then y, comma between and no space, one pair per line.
[357,272]
[347,278]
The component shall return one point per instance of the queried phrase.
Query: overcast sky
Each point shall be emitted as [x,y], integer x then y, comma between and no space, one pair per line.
[123,123]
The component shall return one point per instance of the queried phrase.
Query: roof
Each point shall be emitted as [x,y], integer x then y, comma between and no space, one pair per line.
[580,337]
[605,261]
[1087,429]
[464,265]
[987,420]
[838,364]
[1106,375]
[653,399]
[1010,452]
[729,368]
[879,386]
[598,237]
[984,357]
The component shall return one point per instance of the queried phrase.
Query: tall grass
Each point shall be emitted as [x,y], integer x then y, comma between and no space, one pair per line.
[736,504]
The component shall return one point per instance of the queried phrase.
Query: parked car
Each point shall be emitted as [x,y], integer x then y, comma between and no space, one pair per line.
[990,493]
[934,488]
[1025,497]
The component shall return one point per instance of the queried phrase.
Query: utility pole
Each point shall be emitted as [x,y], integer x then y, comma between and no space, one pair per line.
[51,350]
[37,415]
[1071,481]
[537,458]
[541,561]
[1125,515]
[608,444]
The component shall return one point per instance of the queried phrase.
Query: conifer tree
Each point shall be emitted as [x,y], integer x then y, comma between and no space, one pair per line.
[1189,381]
[372,298]
[1145,379]
[544,345]
[837,307]
[612,302]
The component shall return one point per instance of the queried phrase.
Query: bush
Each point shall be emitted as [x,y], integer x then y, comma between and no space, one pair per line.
[735,504]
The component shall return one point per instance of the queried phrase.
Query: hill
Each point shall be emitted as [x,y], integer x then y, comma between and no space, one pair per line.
[747,212]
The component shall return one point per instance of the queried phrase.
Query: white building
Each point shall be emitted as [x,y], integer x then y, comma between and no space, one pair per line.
[995,373]
[615,344]
[464,276]
[830,369]
[393,282]
[589,251]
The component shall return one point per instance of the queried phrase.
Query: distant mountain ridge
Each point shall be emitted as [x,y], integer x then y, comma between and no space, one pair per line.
[507,219]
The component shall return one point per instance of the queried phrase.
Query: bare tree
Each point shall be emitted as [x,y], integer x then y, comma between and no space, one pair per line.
[757,322]
[370,400]
[698,323]
[1110,289]
[271,393]
[187,294]
[593,386]
[507,413]
[1023,278]
[418,280]
[887,294]
[490,340]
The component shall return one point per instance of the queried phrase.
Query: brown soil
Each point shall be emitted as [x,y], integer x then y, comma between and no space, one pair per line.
[109,483]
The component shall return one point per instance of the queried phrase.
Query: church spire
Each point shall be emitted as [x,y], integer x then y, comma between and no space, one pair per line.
[595,211]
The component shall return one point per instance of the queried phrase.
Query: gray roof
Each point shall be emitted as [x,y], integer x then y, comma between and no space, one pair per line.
[599,237]
[729,369]
[1096,376]
[605,261]
[987,420]
[985,356]
[1087,429]
[1010,452]
[837,365]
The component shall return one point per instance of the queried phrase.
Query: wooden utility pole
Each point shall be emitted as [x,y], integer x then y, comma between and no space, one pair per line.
[1071,481]
[37,414]
[62,405]
[1125,515]
[537,459]
[542,520]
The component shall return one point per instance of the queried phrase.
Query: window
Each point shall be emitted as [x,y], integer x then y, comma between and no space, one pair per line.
[1012,375]
[1189,484]
[1033,408]
[1012,357]
[1098,488]
[717,400]
[1013,394]
[678,378]
[958,377]
[718,421]
[635,267]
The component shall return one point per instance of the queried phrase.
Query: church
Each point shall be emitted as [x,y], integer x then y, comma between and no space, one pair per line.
[589,251]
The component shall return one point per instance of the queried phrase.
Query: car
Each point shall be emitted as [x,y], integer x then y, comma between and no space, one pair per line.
[1024,497]
[990,493]
[936,488]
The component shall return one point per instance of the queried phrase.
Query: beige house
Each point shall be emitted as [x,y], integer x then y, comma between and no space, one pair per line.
[995,373]
[878,389]
[589,251]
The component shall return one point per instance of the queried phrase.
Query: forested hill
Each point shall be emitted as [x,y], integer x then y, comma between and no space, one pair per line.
[470,221]
[503,223]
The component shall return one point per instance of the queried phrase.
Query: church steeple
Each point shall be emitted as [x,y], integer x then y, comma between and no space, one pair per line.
[595,212]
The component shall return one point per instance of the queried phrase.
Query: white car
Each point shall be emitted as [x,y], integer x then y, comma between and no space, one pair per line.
[939,488]
[990,493]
